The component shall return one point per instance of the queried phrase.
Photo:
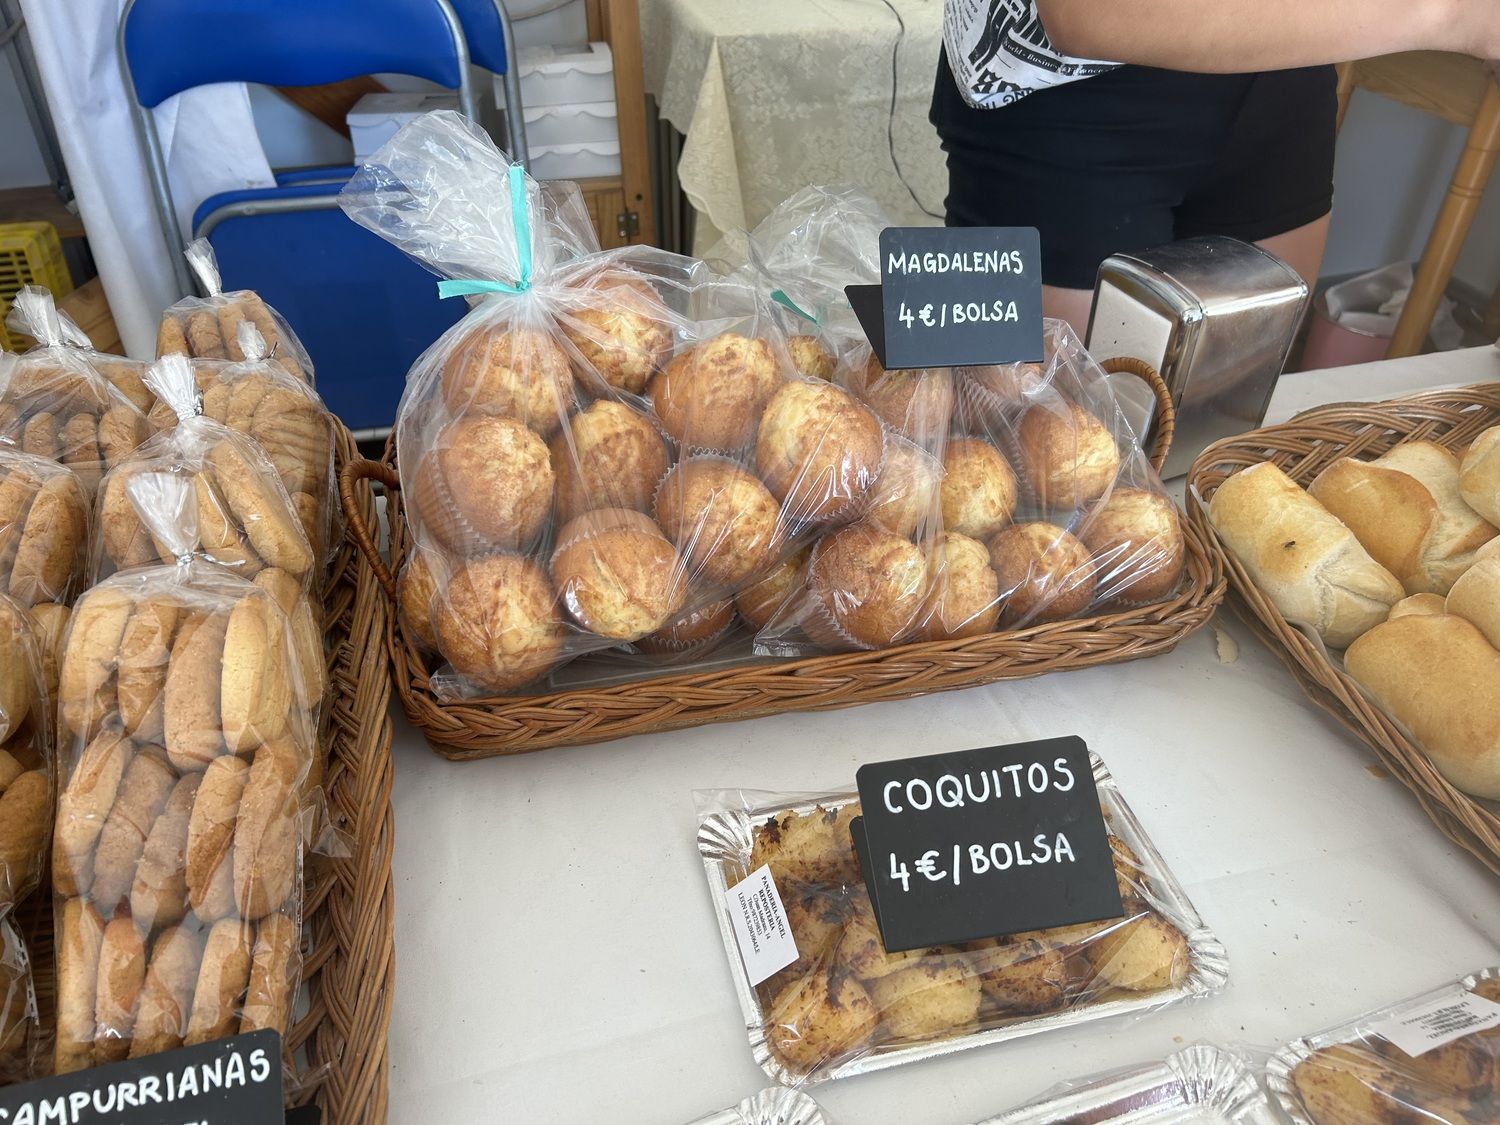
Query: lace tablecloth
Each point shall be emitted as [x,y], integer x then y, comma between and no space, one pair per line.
[776,94]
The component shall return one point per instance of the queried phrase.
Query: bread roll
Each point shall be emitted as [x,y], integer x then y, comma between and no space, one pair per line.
[1479,475]
[1476,598]
[1301,556]
[1405,508]
[1436,675]
[1418,603]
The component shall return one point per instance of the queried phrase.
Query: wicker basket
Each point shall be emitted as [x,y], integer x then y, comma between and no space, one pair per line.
[487,727]
[350,962]
[1302,448]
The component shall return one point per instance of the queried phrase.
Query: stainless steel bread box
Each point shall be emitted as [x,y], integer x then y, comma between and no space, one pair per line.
[1216,316]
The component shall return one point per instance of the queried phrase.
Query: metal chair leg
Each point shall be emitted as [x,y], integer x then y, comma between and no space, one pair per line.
[515,120]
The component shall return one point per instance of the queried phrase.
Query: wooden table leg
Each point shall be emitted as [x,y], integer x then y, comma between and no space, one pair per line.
[1348,79]
[1492,316]
[1451,227]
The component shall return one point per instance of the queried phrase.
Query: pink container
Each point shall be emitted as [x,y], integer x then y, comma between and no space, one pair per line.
[1334,345]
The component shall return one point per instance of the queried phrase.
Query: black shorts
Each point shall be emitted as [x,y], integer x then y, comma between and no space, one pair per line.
[1137,157]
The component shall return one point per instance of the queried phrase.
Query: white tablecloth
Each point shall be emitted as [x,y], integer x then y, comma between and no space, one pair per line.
[558,960]
[778,93]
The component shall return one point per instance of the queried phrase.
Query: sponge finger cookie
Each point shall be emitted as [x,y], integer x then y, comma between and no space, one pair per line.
[261,507]
[210,860]
[222,978]
[141,668]
[49,553]
[84,807]
[256,688]
[144,790]
[161,1019]
[86,678]
[122,973]
[80,930]
[265,834]
[273,974]
[191,720]
[158,897]
[25,820]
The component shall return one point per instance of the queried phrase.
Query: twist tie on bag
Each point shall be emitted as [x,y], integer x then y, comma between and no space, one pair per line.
[168,506]
[252,344]
[787,303]
[521,221]
[33,313]
[200,257]
[171,379]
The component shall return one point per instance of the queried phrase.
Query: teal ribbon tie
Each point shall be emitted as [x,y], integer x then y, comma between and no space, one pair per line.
[786,302]
[521,224]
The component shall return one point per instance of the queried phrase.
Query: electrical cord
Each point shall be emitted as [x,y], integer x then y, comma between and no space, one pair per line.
[890,125]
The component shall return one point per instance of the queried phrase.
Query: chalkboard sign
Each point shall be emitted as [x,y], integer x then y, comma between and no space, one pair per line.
[954,296]
[980,843]
[234,1081]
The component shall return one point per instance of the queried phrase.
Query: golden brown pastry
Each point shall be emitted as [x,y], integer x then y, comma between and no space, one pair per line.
[918,403]
[712,396]
[907,495]
[517,373]
[25,822]
[617,574]
[1070,457]
[818,449]
[261,508]
[758,603]
[963,597]
[1025,977]
[273,974]
[416,590]
[706,623]
[265,834]
[621,329]
[607,456]
[85,685]
[166,1002]
[1418,603]
[49,551]
[126,540]
[306,636]
[487,481]
[79,933]
[143,793]
[210,838]
[867,587]
[808,849]
[978,490]
[142,663]
[202,330]
[223,975]
[933,996]
[256,689]
[819,1018]
[723,519]
[498,623]
[220,536]
[1479,475]
[49,621]
[1045,573]
[18,668]
[84,806]
[810,357]
[122,975]
[192,723]
[158,897]
[1349,1085]
[1136,538]
[1142,954]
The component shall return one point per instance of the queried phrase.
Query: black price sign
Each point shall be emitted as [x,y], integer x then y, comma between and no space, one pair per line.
[980,843]
[234,1081]
[954,296]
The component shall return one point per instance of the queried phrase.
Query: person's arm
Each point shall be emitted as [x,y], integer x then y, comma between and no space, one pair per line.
[1226,36]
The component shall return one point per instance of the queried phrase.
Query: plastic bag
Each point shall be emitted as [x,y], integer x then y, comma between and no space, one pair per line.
[25,757]
[185,806]
[55,402]
[44,528]
[1046,508]
[36,314]
[845,1002]
[240,516]
[579,454]
[285,416]
[1359,1071]
[775,1106]
[209,327]
[19,1024]
[1203,1084]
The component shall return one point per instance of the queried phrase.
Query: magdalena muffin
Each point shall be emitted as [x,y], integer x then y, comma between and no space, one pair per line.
[516,373]
[818,449]
[617,574]
[723,519]
[608,456]
[694,630]
[1136,538]
[620,328]
[964,597]
[993,396]
[711,396]
[1069,456]
[811,358]
[907,496]
[866,587]
[487,482]
[979,489]
[497,622]
[1045,573]
[416,589]
[758,603]
[918,403]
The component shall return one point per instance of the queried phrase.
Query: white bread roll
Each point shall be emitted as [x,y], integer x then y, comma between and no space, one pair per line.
[1308,563]
[1437,676]
[1417,603]
[1479,475]
[1476,598]
[1405,508]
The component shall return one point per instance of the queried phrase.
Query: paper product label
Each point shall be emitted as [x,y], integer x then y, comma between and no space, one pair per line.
[235,1081]
[1419,1030]
[760,926]
[980,843]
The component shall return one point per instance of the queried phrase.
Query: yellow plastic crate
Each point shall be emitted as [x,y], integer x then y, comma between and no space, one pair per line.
[30,254]
[7,342]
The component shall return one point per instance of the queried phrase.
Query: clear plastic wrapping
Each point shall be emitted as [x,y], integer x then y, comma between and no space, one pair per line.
[44,529]
[209,327]
[1355,1074]
[609,447]
[847,1007]
[19,1030]
[774,1106]
[26,795]
[1198,1085]
[185,804]
[55,400]
[35,314]
[239,513]
[1011,496]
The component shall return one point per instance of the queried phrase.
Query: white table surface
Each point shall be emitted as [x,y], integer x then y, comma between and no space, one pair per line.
[558,961]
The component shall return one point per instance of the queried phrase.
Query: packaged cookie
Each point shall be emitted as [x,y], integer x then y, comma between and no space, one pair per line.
[845,1006]
[184,811]
[44,529]
[56,403]
[238,512]
[209,327]
[775,1106]
[579,455]
[255,397]
[26,742]
[37,310]
[1431,1058]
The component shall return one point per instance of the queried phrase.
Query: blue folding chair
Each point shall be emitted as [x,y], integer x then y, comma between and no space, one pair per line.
[486,25]
[362,308]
